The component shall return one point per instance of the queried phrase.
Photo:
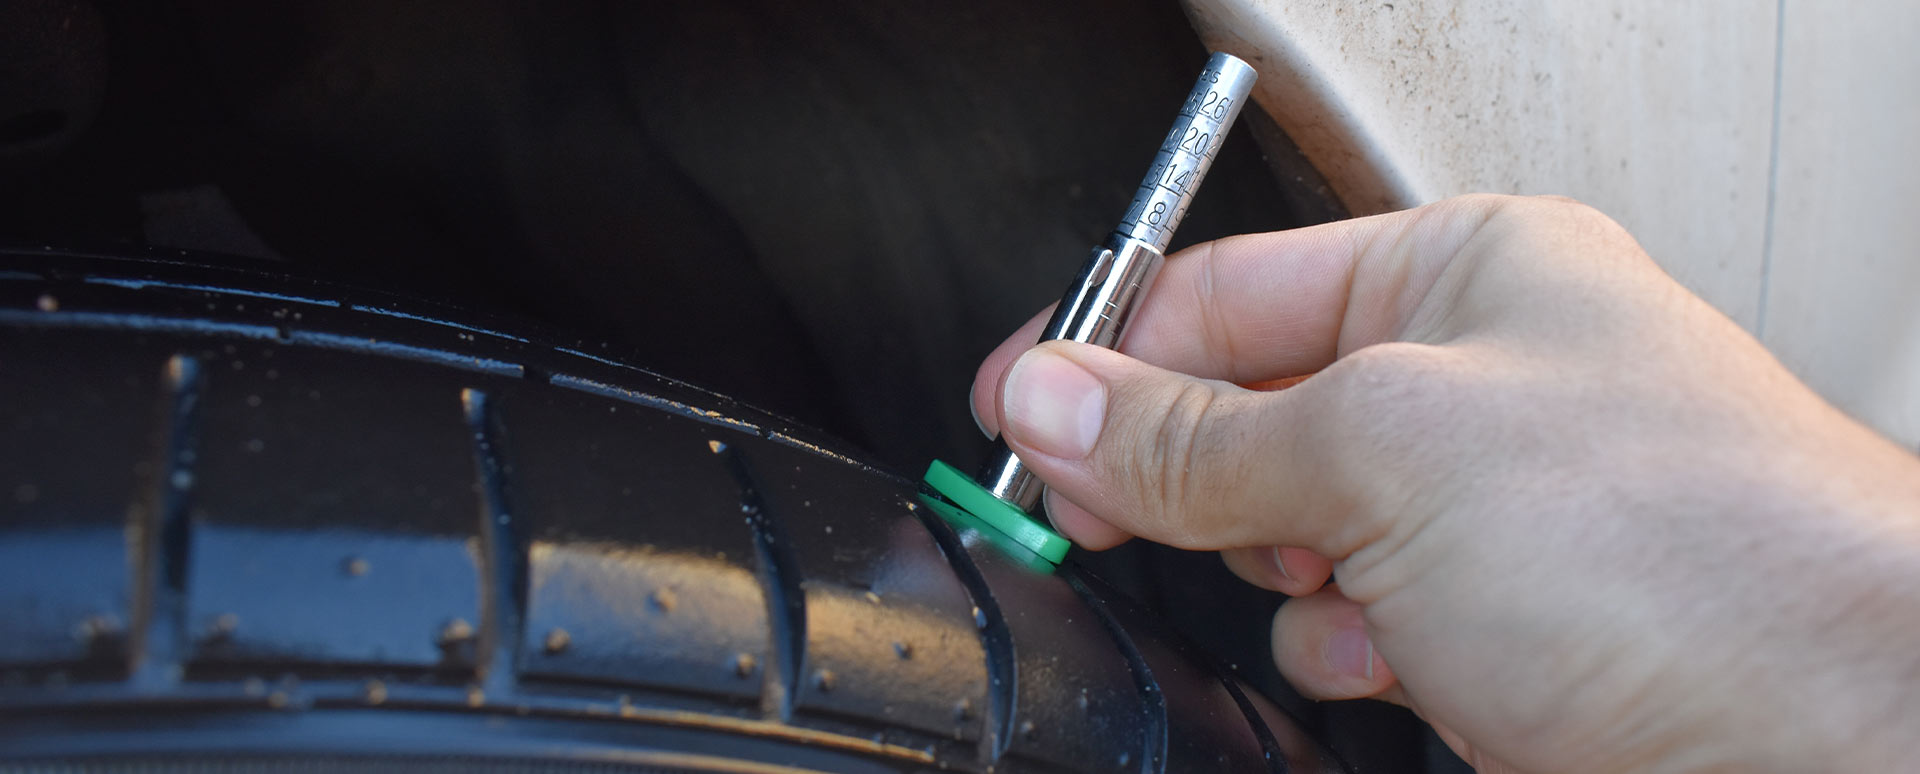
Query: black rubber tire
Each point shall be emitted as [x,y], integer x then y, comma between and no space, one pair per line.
[284,524]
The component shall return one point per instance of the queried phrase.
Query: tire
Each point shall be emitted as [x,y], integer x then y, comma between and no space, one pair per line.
[280,524]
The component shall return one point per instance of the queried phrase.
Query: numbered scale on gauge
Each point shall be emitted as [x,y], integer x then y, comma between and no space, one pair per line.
[1186,154]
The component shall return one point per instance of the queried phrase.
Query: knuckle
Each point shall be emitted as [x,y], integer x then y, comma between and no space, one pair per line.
[1480,208]
[1479,202]
[1572,211]
[1563,212]
[1521,211]
[1560,199]
[1537,203]
[1587,225]
[1547,225]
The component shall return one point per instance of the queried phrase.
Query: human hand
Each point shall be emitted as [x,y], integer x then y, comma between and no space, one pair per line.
[1580,520]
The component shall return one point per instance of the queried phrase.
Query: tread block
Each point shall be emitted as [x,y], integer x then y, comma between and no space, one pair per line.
[76,461]
[1075,705]
[335,517]
[641,563]
[1206,729]
[884,608]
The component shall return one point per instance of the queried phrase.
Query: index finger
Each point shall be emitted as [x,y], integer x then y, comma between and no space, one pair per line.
[1260,307]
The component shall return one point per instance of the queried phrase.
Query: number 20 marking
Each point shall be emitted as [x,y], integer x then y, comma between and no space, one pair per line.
[1195,142]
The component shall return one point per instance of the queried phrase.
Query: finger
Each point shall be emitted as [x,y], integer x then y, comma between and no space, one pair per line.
[1302,631]
[1201,464]
[994,368]
[1322,646]
[1292,571]
[985,395]
[1261,307]
[1081,526]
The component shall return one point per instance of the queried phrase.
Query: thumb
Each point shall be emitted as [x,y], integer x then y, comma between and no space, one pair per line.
[1194,463]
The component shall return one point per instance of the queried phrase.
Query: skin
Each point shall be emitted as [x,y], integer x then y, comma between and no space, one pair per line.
[1580,520]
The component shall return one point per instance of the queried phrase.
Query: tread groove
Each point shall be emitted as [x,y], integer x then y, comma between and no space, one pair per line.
[503,599]
[1153,757]
[996,639]
[1269,747]
[163,525]
[779,575]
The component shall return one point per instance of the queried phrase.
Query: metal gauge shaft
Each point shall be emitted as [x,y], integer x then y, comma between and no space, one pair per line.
[1115,278]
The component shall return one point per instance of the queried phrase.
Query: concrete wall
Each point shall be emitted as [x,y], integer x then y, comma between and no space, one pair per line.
[1766,153]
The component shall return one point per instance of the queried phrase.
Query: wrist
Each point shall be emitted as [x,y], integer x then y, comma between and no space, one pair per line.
[1845,658]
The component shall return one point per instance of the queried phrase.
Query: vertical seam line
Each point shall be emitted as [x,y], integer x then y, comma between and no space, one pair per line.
[1773,170]
[164,531]
[503,555]
[780,583]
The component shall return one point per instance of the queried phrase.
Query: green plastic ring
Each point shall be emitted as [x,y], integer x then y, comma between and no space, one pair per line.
[971,527]
[997,513]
